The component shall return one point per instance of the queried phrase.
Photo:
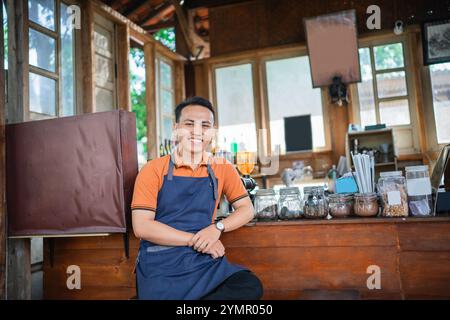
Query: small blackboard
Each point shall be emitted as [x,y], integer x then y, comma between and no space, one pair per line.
[298,133]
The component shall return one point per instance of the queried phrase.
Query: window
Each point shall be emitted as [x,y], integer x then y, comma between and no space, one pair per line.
[235,107]
[51,59]
[165,99]
[138,102]
[383,91]
[166,37]
[290,93]
[105,86]
[440,85]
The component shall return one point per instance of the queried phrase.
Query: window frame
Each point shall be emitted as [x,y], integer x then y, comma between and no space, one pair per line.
[56,75]
[159,110]
[408,67]
[430,120]
[258,61]
[214,89]
[323,93]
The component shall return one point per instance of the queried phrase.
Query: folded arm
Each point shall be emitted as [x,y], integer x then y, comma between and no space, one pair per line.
[147,228]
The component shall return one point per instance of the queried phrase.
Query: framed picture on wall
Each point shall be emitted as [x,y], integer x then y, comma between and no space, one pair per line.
[332,42]
[436,42]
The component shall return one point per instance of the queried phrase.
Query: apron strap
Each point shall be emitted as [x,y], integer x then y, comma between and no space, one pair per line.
[170,172]
[214,181]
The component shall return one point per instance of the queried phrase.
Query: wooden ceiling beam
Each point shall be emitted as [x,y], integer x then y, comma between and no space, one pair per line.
[155,13]
[135,7]
[192,4]
[161,25]
[184,26]
[115,4]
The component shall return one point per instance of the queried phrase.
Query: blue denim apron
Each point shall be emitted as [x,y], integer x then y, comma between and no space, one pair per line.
[180,272]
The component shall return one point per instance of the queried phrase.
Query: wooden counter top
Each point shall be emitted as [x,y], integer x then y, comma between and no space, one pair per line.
[349,220]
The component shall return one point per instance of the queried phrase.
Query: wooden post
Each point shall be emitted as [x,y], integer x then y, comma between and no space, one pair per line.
[87,54]
[2,169]
[180,87]
[150,100]
[123,78]
[19,257]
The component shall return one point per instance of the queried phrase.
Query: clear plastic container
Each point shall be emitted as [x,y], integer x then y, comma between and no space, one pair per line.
[290,204]
[366,204]
[315,203]
[394,197]
[419,191]
[266,205]
[340,205]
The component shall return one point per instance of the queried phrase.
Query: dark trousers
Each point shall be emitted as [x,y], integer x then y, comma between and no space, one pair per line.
[241,285]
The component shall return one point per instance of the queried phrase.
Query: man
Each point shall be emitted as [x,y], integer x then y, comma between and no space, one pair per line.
[174,205]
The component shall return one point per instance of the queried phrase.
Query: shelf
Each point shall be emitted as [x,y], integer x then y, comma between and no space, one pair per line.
[370,132]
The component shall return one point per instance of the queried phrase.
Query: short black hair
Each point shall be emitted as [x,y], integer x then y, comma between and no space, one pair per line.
[197,101]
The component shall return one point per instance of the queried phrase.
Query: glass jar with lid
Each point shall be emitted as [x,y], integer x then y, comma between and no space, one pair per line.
[266,205]
[419,191]
[366,204]
[315,203]
[290,204]
[392,189]
[340,205]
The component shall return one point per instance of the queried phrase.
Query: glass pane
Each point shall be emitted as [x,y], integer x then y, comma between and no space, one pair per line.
[392,84]
[42,94]
[388,56]
[138,103]
[167,102]
[365,90]
[166,74]
[42,50]
[394,113]
[236,117]
[67,64]
[291,94]
[167,128]
[440,82]
[42,12]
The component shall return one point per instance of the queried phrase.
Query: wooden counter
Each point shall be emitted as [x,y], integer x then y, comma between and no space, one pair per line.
[302,259]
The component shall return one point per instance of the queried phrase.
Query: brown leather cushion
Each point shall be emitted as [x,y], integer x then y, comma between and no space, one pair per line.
[71,175]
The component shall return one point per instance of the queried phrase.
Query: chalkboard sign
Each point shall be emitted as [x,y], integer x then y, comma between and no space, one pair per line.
[298,133]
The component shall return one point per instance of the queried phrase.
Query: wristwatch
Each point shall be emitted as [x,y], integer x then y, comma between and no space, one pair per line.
[220,226]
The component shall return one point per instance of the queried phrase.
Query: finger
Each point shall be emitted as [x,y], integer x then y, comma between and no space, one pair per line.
[209,246]
[199,244]
[205,247]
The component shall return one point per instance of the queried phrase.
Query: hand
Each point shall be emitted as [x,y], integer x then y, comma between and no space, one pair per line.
[217,250]
[203,240]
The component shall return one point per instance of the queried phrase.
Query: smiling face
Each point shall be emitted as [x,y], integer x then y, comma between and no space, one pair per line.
[194,130]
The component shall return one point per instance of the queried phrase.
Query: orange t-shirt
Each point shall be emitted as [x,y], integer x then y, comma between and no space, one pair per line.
[150,180]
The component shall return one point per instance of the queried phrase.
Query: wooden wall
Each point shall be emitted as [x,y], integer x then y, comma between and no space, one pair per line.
[294,260]
[266,23]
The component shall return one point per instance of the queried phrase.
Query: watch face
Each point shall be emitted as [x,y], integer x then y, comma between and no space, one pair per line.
[220,225]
